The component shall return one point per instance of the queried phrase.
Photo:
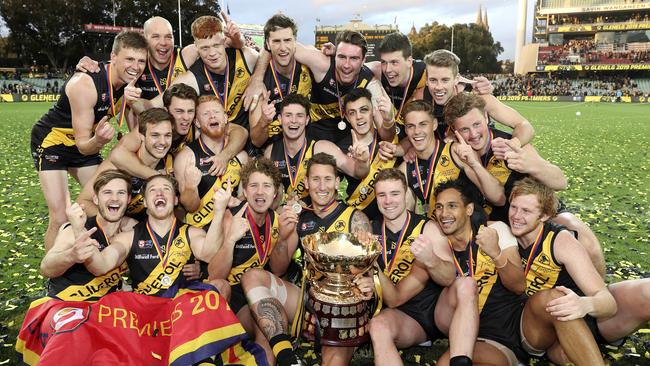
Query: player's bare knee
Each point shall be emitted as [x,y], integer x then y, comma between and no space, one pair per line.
[380,326]
[253,278]
[465,289]
[537,303]
[222,286]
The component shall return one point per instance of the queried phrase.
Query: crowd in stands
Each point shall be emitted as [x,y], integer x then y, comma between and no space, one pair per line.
[598,19]
[19,83]
[532,85]
[585,51]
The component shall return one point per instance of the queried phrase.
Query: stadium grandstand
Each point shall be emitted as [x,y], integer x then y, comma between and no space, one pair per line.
[585,49]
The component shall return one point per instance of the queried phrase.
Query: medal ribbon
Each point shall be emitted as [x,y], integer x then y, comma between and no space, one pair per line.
[261,247]
[402,233]
[373,146]
[101,229]
[338,94]
[162,253]
[538,240]
[120,118]
[486,157]
[277,81]
[432,162]
[406,90]
[324,209]
[223,98]
[459,269]
[301,157]
[156,81]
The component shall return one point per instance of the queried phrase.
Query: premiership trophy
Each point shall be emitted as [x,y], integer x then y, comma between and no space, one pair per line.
[341,315]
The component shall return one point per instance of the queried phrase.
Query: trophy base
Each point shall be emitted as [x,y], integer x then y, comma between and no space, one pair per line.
[340,325]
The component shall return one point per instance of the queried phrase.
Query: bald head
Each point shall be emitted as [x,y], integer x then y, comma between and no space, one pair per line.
[155,24]
[160,39]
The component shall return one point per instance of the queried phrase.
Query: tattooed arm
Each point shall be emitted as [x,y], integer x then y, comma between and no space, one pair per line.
[359,222]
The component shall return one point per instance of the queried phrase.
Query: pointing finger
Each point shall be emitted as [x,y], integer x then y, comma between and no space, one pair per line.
[86,234]
[354,138]
[460,138]
[242,210]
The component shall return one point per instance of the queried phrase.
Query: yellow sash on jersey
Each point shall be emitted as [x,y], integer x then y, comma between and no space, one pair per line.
[300,189]
[238,86]
[501,172]
[446,169]
[236,273]
[544,271]
[136,205]
[332,110]
[94,289]
[204,214]
[342,223]
[59,136]
[303,88]
[404,262]
[485,275]
[362,200]
[399,118]
[179,253]
[179,67]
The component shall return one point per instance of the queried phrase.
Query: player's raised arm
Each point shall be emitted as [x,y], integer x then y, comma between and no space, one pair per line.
[124,156]
[101,262]
[433,254]
[288,241]
[188,177]
[476,172]
[82,102]
[206,245]
[528,161]
[318,63]
[232,228]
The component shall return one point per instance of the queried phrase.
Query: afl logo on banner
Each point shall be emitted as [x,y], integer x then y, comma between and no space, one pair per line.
[69,319]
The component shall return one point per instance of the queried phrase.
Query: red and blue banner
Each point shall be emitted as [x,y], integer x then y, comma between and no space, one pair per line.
[125,328]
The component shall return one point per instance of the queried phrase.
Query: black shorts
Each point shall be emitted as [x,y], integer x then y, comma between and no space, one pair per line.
[592,323]
[237,298]
[58,157]
[422,308]
[503,326]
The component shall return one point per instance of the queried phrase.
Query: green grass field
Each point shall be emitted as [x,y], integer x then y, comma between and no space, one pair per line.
[604,152]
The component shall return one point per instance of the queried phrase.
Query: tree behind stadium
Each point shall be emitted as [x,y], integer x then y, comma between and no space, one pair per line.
[51,32]
[472,43]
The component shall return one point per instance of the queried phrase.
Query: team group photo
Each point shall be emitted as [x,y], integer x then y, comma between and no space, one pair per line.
[242,183]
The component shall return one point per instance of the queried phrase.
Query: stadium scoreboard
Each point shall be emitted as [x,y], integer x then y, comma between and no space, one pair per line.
[374,35]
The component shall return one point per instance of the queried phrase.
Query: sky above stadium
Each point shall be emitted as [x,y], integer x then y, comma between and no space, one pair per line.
[405,13]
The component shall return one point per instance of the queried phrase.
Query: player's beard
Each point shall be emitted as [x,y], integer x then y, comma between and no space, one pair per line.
[216,134]
[111,217]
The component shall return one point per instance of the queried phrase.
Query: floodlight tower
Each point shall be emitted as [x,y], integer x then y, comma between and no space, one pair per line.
[521,30]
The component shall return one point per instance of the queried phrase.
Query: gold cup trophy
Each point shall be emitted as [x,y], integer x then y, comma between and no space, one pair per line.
[341,314]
